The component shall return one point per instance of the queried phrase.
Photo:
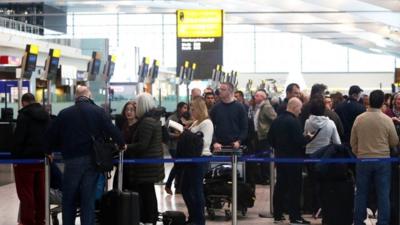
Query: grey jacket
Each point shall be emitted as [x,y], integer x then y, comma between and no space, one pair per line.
[327,135]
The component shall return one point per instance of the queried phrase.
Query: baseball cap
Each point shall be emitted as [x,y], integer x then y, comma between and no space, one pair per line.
[355,89]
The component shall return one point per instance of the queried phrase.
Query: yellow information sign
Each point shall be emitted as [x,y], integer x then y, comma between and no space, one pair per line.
[33,49]
[56,53]
[199,23]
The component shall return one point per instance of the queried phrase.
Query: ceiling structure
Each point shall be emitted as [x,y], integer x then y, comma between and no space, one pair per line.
[368,25]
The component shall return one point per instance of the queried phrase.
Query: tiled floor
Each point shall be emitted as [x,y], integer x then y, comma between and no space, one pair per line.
[9,207]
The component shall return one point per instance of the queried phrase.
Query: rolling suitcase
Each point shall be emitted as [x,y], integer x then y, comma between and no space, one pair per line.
[119,207]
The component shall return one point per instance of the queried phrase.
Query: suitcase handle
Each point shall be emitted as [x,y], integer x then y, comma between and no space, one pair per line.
[120,169]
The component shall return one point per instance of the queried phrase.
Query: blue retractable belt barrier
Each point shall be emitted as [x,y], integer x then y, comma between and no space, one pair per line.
[4,159]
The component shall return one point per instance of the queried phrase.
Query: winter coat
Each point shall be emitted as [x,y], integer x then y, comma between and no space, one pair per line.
[265,117]
[72,129]
[145,143]
[32,123]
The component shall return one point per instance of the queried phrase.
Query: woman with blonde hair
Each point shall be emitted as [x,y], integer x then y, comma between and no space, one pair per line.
[193,175]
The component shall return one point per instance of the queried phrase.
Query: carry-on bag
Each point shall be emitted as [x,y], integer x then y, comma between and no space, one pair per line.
[173,218]
[120,207]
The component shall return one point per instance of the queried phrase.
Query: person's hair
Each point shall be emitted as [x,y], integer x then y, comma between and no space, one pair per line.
[290,87]
[230,86]
[393,102]
[145,103]
[240,93]
[318,89]
[208,90]
[263,91]
[199,105]
[28,97]
[126,105]
[82,91]
[376,99]
[196,91]
[208,94]
[317,105]
[179,106]
[389,96]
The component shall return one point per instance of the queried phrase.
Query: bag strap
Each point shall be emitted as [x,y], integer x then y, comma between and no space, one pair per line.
[315,135]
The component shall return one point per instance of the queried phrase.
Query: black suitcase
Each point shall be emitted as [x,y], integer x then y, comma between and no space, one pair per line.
[337,202]
[119,207]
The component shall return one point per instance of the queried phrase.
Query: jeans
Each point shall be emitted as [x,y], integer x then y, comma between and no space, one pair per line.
[79,189]
[174,174]
[377,174]
[193,193]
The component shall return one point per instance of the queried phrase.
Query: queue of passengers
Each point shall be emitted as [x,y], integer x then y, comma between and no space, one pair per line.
[296,127]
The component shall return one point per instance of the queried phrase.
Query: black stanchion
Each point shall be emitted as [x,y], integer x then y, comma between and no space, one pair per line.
[270,214]
[47,190]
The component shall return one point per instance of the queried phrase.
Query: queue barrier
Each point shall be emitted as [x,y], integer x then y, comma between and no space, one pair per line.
[219,159]
[234,158]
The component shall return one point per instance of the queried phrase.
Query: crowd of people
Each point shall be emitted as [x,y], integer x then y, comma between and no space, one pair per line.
[296,127]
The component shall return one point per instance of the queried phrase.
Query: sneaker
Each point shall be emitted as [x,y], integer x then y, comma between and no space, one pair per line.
[279,219]
[299,222]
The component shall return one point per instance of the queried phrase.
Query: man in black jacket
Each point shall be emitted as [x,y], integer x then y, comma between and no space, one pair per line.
[32,123]
[292,90]
[72,132]
[286,137]
[349,110]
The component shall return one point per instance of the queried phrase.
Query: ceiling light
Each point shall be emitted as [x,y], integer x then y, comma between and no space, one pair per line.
[394,29]
[375,50]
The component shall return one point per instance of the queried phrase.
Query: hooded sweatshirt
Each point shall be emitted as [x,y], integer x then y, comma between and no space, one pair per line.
[29,140]
[327,135]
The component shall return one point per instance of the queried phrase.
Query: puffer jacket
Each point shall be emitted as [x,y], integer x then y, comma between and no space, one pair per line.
[146,143]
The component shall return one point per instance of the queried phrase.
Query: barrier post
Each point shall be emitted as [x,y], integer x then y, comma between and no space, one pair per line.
[398,195]
[270,214]
[47,189]
[234,186]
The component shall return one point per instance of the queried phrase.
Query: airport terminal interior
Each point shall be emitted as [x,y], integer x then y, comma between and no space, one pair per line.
[121,49]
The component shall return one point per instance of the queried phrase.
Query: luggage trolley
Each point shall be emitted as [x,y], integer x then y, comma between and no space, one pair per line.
[219,187]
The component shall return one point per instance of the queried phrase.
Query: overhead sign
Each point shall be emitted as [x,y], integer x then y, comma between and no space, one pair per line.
[200,40]
[194,23]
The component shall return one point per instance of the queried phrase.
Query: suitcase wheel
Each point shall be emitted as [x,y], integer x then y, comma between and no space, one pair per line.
[54,219]
[211,214]
[228,214]
[243,211]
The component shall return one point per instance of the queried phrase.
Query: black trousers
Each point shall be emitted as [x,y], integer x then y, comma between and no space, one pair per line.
[147,201]
[288,183]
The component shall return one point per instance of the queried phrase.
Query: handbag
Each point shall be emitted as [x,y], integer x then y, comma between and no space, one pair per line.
[103,149]
[103,154]
[173,218]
